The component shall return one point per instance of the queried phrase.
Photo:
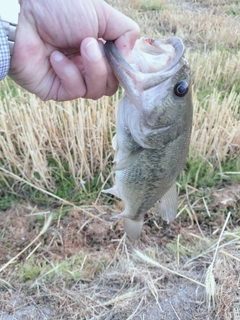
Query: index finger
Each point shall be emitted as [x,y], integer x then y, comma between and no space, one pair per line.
[120,28]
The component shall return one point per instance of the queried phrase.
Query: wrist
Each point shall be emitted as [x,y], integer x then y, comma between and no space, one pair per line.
[10,31]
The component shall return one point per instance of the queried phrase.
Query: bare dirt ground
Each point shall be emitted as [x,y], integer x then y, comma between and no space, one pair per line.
[95,239]
[85,268]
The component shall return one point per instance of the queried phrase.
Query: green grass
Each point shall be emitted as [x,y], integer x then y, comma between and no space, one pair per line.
[7,200]
[10,90]
[70,269]
[233,11]
[65,187]
[182,247]
[200,173]
[152,5]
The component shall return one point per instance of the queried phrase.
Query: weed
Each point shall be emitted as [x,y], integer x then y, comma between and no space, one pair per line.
[151,5]
[233,11]
[30,270]
[204,174]
[7,200]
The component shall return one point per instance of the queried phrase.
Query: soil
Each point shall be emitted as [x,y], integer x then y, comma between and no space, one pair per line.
[119,289]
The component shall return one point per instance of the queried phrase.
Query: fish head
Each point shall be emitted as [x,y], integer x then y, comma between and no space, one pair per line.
[164,82]
[157,82]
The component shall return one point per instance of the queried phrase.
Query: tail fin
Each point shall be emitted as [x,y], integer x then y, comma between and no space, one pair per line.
[133,228]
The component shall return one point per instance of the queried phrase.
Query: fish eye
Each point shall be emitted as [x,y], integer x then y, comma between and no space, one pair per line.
[181,88]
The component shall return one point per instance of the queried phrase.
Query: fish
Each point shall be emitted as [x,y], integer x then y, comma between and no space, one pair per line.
[153,128]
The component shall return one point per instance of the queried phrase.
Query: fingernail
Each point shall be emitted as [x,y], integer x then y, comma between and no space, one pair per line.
[92,50]
[57,56]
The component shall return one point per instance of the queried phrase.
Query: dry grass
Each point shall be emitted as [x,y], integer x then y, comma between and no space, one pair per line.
[78,133]
[227,292]
[199,25]
[122,280]
[216,127]
[86,269]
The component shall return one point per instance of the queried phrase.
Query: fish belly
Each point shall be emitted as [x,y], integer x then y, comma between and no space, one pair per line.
[149,177]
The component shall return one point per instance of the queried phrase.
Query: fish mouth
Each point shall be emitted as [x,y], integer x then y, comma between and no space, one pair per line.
[163,59]
[150,55]
[179,51]
[150,63]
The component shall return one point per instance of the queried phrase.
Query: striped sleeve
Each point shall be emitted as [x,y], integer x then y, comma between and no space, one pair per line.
[4,53]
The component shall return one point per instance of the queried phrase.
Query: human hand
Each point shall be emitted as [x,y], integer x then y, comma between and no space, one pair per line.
[57,54]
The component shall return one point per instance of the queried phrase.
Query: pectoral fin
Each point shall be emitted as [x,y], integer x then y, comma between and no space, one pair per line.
[112,191]
[125,160]
[167,206]
[114,142]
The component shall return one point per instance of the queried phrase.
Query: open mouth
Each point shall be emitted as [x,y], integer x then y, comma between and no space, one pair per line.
[149,55]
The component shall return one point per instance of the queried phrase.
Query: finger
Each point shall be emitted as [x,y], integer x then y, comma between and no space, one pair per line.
[69,83]
[120,28]
[99,77]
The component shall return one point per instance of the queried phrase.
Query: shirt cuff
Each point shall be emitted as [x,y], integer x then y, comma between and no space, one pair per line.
[4,53]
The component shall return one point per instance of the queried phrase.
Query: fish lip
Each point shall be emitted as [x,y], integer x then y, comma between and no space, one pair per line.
[150,80]
[174,41]
[179,49]
[136,82]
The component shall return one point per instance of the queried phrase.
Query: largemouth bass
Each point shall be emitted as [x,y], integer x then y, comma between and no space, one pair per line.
[153,132]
